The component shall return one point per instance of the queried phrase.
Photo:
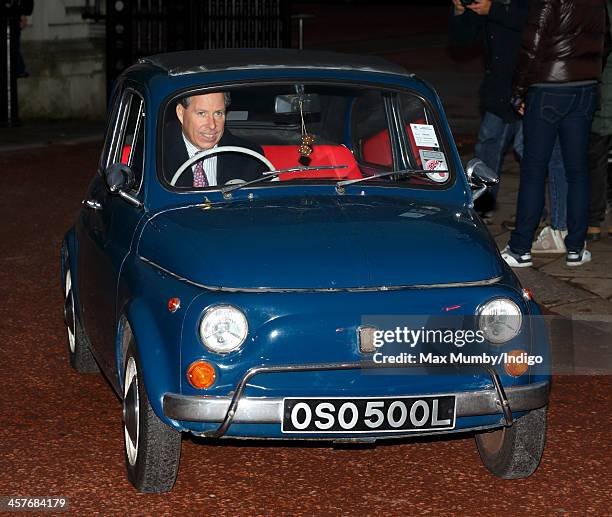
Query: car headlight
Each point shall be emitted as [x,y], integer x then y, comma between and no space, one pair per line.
[223,328]
[500,320]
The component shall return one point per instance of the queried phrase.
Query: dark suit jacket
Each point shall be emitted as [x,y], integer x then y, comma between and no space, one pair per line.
[229,165]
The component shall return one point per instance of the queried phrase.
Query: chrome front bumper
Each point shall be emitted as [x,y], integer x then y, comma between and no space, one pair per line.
[264,410]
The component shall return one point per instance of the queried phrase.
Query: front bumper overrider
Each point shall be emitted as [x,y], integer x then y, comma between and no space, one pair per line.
[267,410]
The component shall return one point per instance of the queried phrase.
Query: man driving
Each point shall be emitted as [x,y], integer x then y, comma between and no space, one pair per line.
[202,127]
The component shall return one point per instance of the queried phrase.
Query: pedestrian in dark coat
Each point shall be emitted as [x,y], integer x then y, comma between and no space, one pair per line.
[556,87]
[600,143]
[498,25]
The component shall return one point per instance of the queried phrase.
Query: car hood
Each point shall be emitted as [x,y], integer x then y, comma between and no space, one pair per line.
[321,242]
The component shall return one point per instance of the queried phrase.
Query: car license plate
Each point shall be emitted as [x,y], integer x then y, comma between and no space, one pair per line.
[368,415]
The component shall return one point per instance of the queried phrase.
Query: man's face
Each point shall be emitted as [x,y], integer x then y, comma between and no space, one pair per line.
[203,120]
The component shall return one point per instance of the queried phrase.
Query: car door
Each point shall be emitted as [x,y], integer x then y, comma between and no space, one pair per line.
[107,223]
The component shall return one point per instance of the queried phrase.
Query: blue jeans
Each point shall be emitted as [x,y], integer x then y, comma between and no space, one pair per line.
[557,189]
[557,184]
[565,113]
[494,137]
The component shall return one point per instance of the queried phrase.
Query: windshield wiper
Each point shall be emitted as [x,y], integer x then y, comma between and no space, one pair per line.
[405,172]
[274,174]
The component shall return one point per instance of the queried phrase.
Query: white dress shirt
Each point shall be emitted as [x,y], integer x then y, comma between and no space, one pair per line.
[209,164]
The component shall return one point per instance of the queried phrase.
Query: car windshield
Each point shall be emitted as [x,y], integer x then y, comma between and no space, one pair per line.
[334,133]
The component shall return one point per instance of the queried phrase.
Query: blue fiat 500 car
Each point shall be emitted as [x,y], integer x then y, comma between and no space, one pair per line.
[282,244]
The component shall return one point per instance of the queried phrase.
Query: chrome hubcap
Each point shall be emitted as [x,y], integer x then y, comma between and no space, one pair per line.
[131,410]
[69,312]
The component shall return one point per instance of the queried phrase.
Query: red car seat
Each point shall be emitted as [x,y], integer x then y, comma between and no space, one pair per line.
[377,148]
[287,156]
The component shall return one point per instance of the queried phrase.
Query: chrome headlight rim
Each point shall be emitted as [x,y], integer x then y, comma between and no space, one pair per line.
[208,313]
[480,315]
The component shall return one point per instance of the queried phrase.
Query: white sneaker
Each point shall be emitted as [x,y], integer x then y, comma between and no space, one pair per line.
[549,241]
[577,258]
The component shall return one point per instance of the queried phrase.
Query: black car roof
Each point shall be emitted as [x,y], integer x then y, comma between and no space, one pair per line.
[196,61]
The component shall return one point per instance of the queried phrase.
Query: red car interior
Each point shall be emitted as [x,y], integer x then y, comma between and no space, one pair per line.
[377,148]
[125,154]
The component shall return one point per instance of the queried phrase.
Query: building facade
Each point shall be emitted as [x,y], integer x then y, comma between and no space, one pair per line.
[65,59]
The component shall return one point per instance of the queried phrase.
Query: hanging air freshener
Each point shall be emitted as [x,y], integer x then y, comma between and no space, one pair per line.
[305,149]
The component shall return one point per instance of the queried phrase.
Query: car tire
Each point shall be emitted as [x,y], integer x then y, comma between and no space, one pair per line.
[81,358]
[514,452]
[152,449]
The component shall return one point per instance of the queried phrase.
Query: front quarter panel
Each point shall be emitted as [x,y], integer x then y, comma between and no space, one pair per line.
[144,292]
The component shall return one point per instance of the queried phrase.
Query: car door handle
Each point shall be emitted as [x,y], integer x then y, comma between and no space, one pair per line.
[93,204]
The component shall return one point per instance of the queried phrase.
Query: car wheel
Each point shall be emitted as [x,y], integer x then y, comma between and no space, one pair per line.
[515,452]
[81,358]
[152,448]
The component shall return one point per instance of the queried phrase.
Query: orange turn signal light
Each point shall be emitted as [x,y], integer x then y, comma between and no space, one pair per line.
[201,375]
[174,304]
[516,363]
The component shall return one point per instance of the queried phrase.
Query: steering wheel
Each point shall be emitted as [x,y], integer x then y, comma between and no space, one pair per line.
[215,150]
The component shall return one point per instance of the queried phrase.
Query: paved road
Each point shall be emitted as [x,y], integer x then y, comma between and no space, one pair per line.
[61,432]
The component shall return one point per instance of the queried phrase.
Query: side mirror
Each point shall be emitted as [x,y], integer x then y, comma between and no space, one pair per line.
[479,170]
[119,177]
[480,177]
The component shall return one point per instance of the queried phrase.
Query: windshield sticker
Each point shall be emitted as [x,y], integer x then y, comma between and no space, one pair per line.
[424,135]
[434,161]
[438,177]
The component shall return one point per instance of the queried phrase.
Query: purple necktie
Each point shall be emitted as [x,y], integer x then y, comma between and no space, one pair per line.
[199,176]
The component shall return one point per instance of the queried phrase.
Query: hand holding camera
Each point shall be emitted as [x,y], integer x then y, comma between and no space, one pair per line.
[459,7]
[480,7]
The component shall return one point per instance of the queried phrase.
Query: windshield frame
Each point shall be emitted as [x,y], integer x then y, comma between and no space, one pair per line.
[393,120]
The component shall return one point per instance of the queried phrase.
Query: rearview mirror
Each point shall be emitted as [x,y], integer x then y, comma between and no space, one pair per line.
[290,104]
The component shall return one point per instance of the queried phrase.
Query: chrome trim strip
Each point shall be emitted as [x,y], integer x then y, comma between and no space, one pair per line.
[475,283]
[178,71]
[129,198]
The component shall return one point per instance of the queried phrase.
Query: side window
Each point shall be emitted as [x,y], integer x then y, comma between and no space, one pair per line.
[130,150]
[423,136]
[112,129]
[125,135]
[371,141]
